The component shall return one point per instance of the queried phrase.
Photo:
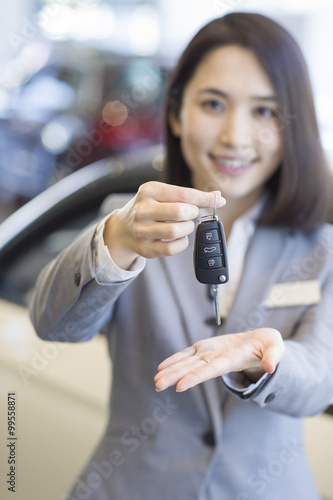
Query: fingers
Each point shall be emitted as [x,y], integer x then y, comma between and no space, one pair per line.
[268,361]
[169,193]
[162,231]
[156,221]
[190,371]
[165,211]
[153,249]
[187,372]
[273,355]
[179,356]
[172,369]
[162,217]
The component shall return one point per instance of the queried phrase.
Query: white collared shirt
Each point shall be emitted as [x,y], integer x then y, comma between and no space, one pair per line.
[240,236]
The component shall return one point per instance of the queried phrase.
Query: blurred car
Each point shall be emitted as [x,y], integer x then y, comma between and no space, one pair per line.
[44,226]
[66,386]
[80,106]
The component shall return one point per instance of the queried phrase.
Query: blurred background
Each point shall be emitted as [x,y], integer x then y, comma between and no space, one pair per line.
[81,100]
[84,80]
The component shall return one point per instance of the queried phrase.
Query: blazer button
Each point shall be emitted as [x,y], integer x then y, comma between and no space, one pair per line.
[77,279]
[270,398]
[208,438]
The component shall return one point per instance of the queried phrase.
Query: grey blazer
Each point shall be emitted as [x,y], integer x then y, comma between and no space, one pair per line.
[211,442]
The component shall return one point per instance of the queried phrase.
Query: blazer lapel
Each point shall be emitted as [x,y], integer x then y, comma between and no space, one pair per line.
[266,259]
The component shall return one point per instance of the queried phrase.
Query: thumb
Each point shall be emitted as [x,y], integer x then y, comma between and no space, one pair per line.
[269,360]
[274,351]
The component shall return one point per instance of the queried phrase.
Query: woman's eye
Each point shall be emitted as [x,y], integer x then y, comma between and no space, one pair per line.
[213,105]
[266,112]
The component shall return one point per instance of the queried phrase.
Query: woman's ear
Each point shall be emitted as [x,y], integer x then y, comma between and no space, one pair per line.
[174,123]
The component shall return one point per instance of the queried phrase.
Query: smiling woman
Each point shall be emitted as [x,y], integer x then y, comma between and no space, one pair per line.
[226,106]
[282,104]
[242,137]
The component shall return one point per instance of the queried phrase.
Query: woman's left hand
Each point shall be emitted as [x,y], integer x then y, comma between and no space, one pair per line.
[254,352]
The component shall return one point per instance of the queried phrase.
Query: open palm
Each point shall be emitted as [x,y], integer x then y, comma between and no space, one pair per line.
[255,352]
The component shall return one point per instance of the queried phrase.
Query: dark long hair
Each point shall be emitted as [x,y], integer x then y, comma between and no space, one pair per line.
[301,189]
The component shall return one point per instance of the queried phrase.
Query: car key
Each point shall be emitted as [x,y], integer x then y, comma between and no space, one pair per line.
[210,255]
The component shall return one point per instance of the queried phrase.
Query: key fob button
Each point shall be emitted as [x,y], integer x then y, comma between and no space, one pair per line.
[209,236]
[210,263]
[207,250]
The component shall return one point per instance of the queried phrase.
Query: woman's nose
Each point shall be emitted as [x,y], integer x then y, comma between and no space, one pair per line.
[236,131]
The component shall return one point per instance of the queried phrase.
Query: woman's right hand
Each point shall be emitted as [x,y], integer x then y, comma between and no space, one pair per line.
[156,222]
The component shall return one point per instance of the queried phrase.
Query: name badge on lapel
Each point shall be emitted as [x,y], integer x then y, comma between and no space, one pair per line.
[293,293]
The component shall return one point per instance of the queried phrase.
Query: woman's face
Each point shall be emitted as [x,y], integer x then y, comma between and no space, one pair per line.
[228,126]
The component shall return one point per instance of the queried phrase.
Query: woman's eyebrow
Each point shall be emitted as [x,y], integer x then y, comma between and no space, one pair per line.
[264,98]
[225,95]
[217,92]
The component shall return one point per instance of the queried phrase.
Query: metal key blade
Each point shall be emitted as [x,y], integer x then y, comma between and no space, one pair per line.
[217,304]
[214,214]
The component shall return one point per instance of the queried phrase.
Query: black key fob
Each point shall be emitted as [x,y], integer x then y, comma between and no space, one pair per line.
[210,252]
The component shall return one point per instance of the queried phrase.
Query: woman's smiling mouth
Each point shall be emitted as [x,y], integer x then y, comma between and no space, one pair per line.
[232,165]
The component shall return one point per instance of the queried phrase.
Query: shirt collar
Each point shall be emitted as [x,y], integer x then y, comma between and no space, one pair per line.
[252,214]
[249,217]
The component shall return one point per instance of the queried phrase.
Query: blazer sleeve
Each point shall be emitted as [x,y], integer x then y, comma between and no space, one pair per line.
[68,303]
[302,384]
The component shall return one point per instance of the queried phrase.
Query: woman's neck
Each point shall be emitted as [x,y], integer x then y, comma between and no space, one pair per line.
[235,208]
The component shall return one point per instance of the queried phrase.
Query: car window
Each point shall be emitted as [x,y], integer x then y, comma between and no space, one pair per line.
[20,270]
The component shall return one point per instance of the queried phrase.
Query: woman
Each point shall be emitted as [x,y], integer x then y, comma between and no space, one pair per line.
[241,123]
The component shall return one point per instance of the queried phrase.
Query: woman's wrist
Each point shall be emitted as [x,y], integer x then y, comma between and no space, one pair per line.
[121,255]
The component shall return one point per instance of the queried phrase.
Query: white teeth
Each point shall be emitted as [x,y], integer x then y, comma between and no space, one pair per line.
[232,163]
